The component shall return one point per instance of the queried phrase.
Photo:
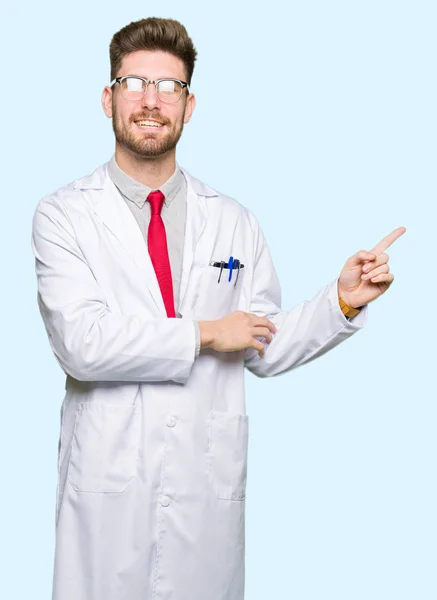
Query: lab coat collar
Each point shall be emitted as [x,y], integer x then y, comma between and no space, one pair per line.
[115,214]
[96,181]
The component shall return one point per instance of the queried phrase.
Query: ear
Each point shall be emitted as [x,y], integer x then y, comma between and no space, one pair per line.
[107,101]
[189,107]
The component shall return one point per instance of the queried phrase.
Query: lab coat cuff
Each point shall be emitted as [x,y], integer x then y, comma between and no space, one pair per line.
[197,330]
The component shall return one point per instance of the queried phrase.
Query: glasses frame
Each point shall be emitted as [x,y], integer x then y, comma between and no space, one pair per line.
[120,80]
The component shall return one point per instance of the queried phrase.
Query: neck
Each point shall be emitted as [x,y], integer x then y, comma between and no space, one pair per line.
[152,171]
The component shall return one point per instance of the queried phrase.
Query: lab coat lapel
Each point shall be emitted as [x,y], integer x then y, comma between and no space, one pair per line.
[113,212]
[197,194]
[117,217]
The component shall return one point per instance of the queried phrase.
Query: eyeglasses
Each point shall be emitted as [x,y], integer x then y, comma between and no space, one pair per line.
[134,88]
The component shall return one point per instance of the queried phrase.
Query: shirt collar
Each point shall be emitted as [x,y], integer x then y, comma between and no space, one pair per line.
[137,192]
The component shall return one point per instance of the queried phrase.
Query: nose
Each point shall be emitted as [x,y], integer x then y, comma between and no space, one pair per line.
[150,99]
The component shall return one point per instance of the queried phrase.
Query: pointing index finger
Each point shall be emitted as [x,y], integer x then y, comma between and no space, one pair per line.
[388,240]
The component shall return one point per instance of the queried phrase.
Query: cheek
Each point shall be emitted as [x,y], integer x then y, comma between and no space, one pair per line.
[120,115]
[176,117]
[181,119]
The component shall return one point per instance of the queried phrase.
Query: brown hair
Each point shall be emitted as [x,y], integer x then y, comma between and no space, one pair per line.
[153,33]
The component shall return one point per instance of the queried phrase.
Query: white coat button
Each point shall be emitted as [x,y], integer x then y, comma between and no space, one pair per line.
[171,421]
[165,501]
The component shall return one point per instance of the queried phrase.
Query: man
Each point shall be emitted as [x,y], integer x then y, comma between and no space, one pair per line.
[157,292]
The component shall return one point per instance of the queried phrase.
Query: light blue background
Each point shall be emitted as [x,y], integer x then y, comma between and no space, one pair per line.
[342,482]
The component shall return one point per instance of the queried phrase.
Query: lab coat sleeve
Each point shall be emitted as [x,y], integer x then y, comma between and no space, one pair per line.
[304,333]
[90,342]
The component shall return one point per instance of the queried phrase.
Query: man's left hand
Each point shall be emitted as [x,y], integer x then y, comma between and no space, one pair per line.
[366,275]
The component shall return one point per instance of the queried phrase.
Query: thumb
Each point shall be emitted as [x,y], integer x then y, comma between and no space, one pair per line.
[362,255]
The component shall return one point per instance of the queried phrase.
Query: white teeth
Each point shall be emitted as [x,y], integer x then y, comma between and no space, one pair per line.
[148,124]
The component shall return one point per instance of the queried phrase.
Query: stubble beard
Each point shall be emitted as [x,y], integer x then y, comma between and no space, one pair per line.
[143,144]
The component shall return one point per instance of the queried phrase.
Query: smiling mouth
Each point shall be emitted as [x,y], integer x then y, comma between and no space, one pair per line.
[146,124]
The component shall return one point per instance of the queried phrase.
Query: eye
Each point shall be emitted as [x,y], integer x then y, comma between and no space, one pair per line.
[133,84]
[167,86]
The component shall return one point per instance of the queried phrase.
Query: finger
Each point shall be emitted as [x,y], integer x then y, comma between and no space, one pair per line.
[388,277]
[381,260]
[388,240]
[377,271]
[263,322]
[258,346]
[262,332]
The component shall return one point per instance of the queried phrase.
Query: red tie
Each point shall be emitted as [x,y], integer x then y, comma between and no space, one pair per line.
[157,243]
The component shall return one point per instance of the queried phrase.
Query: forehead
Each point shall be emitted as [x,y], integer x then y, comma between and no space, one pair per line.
[152,65]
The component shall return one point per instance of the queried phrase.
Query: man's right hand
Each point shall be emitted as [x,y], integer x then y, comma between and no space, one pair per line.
[236,331]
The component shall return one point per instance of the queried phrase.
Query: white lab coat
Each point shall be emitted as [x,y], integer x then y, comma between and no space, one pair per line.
[152,456]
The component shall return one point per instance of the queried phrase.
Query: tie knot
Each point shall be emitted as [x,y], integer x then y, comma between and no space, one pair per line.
[156,200]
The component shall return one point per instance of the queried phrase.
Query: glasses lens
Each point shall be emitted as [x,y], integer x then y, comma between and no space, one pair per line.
[133,88]
[169,91]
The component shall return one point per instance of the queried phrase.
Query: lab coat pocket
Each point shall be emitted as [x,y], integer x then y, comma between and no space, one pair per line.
[228,444]
[104,448]
[217,299]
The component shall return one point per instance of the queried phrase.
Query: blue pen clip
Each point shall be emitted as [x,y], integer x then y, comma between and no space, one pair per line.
[230,267]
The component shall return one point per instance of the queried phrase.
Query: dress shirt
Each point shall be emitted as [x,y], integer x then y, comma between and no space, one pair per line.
[173,213]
